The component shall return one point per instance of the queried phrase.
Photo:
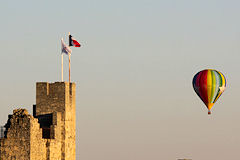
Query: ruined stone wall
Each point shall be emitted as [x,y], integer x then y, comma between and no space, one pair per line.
[24,138]
[17,144]
[37,143]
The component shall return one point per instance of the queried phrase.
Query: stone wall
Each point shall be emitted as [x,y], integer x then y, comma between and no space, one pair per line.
[37,143]
[23,140]
[53,145]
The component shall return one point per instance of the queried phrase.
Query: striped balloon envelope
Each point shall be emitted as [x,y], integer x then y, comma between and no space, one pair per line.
[209,85]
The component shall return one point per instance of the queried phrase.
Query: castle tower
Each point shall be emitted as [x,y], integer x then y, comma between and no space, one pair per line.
[58,99]
[47,135]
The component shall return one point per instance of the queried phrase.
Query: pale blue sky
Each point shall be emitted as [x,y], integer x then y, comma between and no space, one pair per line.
[133,73]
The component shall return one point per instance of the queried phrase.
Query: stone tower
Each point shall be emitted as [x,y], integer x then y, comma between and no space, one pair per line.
[59,98]
[47,135]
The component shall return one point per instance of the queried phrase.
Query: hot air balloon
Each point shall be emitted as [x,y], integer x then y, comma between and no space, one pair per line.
[209,85]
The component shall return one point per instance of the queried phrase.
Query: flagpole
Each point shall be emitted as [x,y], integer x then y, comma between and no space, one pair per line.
[62,67]
[69,60]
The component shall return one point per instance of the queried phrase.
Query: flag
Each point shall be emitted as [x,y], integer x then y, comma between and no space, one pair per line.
[73,42]
[65,49]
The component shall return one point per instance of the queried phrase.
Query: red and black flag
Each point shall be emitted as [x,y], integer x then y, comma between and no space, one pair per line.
[73,42]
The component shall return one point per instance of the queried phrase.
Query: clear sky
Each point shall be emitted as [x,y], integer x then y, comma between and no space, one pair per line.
[134,73]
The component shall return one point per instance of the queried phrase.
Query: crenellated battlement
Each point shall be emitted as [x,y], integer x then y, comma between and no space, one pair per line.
[54,90]
[52,97]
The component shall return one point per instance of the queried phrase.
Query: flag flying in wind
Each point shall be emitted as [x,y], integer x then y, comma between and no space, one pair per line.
[73,42]
[65,49]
